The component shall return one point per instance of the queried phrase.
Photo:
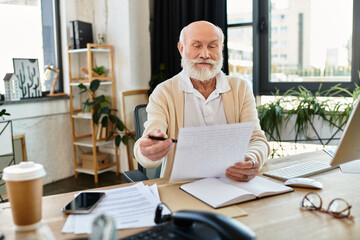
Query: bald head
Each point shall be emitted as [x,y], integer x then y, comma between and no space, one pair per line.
[200,46]
[200,27]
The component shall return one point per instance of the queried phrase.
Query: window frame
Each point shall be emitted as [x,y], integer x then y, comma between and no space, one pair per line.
[262,58]
[57,42]
[262,66]
[53,43]
[236,25]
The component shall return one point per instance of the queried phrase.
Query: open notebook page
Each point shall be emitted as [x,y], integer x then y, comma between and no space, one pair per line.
[258,186]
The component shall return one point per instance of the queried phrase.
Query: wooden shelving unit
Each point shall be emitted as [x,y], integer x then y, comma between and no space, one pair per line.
[86,57]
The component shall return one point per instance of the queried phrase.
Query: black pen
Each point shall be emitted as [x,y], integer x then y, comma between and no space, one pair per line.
[162,138]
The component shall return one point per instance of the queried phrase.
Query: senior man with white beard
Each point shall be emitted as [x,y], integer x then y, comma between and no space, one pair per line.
[200,95]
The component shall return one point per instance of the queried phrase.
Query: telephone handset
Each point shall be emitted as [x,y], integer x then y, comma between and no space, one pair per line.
[196,225]
[227,228]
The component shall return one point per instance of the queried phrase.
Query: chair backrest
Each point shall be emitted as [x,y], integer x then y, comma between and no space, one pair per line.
[140,117]
[130,99]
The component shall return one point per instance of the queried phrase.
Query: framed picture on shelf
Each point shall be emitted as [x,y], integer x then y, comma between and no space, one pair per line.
[27,71]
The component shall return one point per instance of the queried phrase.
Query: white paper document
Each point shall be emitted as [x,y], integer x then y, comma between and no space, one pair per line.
[130,207]
[208,151]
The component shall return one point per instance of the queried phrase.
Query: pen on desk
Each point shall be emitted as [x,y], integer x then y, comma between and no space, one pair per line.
[162,138]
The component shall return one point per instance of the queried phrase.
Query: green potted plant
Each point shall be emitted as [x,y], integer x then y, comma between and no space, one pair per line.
[102,110]
[303,108]
[271,116]
[100,70]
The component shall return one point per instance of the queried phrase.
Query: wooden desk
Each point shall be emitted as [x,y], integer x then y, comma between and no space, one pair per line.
[277,217]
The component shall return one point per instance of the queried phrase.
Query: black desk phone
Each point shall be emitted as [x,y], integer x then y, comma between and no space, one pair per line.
[196,225]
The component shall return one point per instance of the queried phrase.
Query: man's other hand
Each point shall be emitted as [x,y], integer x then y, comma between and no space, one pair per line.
[155,149]
[243,171]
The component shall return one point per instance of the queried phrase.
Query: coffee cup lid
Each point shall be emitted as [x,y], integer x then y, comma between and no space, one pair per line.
[23,171]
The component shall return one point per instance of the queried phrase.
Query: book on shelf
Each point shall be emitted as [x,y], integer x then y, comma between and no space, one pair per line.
[72,35]
[109,129]
[103,132]
[221,192]
[98,131]
[80,34]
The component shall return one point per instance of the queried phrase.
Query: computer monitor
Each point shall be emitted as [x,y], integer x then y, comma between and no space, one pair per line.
[349,147]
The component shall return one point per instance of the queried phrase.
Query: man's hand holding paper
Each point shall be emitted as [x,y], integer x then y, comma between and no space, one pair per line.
[243,171]
[213,152]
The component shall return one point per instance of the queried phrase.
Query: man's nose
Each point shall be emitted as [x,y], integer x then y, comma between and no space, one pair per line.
[205,53]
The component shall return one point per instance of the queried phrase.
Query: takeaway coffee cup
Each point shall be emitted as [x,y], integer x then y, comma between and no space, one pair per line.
[25,189]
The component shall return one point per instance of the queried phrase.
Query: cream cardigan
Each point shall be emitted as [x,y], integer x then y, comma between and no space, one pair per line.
[166,112]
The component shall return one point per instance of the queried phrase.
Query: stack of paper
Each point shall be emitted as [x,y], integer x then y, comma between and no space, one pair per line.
[130,207]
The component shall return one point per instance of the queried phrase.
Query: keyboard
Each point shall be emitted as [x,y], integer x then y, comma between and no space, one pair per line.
[300,170]
[159,232]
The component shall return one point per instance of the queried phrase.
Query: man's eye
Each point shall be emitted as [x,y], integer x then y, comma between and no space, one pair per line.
[197,46]
[212,46]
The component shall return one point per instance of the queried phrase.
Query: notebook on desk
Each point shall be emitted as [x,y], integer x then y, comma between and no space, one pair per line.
[221,192]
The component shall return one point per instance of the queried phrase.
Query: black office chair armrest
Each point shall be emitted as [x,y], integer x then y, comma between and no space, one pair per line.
[135,176]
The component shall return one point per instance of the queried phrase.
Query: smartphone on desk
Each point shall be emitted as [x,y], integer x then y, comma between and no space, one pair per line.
[84,202]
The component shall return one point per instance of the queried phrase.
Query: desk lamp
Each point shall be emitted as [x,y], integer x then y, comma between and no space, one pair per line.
[48,69]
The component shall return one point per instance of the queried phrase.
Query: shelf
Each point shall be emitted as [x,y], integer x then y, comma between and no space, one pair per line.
[87,83]
[82,115]
[84,50]
[87,142]
[87,139]
[107,149]
[92,172]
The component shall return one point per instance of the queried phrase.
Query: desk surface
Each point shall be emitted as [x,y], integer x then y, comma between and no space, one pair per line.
[276,217]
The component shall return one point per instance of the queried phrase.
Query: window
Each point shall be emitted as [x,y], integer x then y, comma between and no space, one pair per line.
[239,38]
[308,42]
[294,42]
[30,30]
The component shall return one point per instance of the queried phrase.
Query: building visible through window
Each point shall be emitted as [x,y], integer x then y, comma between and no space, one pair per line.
[316,37]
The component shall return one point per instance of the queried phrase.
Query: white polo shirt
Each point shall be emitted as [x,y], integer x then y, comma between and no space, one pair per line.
[199,111]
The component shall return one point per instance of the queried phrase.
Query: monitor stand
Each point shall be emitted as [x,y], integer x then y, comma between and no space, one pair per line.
[351,167]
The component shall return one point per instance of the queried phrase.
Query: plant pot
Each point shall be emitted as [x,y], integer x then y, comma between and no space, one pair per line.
[323,130]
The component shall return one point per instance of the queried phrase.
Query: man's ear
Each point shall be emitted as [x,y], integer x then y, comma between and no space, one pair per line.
[222,48]
[180,48]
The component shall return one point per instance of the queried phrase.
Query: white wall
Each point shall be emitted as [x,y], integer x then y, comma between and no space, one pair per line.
[125,25]
[140,49]
[47,129]
[46,125]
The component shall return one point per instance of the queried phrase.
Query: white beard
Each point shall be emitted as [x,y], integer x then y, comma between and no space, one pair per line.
[205,73]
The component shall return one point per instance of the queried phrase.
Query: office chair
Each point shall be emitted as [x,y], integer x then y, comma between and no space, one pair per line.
[140,116]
